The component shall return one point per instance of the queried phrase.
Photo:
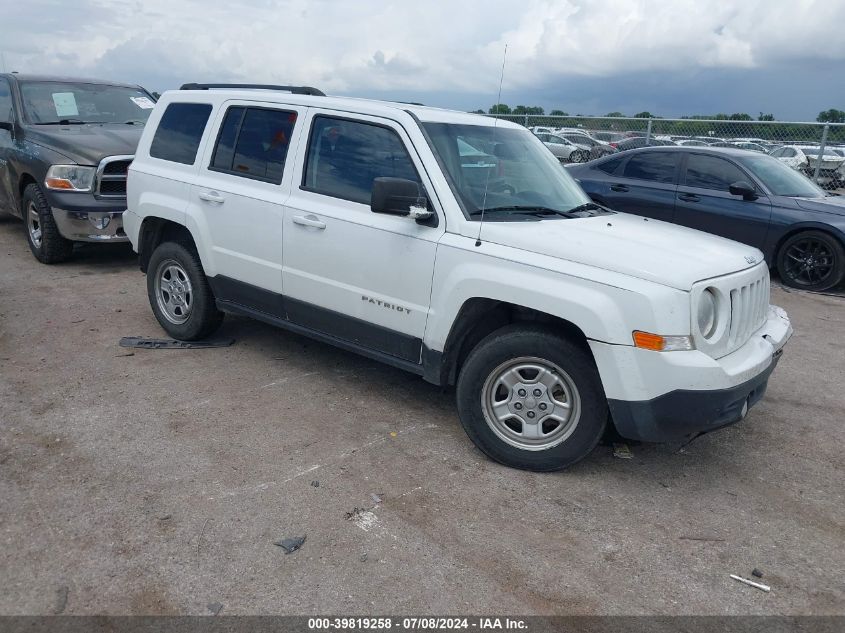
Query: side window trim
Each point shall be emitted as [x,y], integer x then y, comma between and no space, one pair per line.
[308,147]
[10,115]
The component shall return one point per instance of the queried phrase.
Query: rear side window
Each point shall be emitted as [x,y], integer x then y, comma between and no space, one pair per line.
[344,157]
[253,143]
[610,166]
[653,166]
[711,172]
[179,132]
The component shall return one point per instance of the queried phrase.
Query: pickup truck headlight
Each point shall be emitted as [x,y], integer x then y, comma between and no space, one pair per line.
[707,313]
[70,178]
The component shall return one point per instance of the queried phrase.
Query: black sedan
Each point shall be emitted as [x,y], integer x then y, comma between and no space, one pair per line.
[738,194]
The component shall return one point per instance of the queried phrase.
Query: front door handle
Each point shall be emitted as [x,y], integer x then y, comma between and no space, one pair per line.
[688,197]
[309,220]
[211,196]
[622,188]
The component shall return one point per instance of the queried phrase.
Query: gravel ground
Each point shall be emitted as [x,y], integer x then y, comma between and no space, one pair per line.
[157,481]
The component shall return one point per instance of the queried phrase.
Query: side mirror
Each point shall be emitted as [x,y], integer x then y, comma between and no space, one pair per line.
[744,189]
[398,196]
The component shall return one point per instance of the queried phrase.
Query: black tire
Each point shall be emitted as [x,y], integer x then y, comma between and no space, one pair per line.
[578,156]
[203,317]
[811,260]
[509,345]
[53,248]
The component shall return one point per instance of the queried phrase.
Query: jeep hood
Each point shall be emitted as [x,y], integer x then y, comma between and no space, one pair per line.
[87,144]
[664,253]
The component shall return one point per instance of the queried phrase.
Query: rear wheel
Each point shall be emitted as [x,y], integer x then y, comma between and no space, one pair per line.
[531,399]
[179,293]
[811,260]
[42,233]
[578,156]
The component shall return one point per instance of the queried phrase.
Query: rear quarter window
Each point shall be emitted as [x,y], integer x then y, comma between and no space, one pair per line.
[177,137]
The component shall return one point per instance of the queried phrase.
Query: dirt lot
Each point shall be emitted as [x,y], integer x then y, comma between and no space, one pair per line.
[157,482]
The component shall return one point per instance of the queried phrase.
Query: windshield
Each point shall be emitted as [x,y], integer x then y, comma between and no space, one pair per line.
[48,103]
[520,175]
[780,179]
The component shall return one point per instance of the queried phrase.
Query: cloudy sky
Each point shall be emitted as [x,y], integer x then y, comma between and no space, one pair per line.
[670,57]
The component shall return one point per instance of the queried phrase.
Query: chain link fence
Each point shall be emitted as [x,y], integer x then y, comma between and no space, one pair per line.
[815,149]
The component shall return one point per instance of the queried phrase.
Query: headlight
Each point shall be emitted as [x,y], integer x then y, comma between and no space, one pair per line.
[707,313]
[70,178]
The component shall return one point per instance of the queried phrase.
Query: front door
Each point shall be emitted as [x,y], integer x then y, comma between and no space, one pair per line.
[705,203]
[360,276]
[7,115]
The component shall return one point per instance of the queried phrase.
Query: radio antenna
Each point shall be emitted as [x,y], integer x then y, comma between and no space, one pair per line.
[493,142]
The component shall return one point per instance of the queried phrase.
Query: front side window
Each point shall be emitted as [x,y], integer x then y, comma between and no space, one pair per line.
[179,132]
[653,166]
[345,157]
[711,172]
[53,103]
[780,179]
[253,143]
[6,112]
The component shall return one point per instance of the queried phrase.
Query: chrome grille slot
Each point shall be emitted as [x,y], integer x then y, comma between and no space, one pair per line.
[111,177]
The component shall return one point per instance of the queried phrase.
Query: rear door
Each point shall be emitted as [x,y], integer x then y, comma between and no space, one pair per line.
[241,188]
[705,203]
[7,115]
[645,185]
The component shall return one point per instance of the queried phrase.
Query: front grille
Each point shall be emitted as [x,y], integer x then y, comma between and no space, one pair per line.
[111,177]
[749,304]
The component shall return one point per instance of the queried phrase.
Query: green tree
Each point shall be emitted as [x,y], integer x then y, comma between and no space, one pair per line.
[645,115]
[479,111]
[558,113]
[740,116]
[499,108]
[831,116]
[614,114]
[766,117]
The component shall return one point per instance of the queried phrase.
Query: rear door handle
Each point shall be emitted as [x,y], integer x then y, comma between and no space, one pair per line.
[309,220]
[618,188]
[211,196]
[688,197]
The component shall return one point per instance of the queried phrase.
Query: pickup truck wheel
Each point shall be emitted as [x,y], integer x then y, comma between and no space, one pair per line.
[531,399]
[42,234]
[179,293]
[811,260]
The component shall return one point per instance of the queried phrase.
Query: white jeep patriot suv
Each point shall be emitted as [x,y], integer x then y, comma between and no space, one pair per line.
[453,246]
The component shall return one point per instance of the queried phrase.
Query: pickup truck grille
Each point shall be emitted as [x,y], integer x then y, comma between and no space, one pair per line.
[111,177]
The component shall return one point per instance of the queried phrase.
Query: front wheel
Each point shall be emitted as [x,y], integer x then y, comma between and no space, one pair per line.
[179,293]
[578,156]
[42,233]
[811,260]
[531,399]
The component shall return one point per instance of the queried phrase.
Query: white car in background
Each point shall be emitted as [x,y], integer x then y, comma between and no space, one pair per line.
[806,158]
[564,150]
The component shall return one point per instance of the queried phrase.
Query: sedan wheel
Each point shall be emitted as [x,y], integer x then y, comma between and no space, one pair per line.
[812,261]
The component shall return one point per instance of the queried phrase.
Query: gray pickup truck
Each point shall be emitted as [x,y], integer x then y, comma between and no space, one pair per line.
[65,147]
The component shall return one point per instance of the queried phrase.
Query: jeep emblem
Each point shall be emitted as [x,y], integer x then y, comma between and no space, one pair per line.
[751,259]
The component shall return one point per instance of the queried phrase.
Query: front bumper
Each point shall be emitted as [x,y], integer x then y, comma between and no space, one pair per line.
[90,226]
[662,396]
[82,217]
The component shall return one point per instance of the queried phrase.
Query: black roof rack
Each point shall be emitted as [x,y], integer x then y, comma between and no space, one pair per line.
[297,90]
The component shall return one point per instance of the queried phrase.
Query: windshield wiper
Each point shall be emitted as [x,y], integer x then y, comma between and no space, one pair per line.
[587,206]
[64,122]
[527,209]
